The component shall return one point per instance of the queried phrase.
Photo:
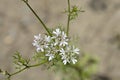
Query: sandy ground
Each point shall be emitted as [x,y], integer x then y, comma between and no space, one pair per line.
[98,28]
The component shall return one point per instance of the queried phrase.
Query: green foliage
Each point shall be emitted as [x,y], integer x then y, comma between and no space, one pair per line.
[39,57]
[74,12]
[3,72]
[19,61]
[83,70]
[88,65]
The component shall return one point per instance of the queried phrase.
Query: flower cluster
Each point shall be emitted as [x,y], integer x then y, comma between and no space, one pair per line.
[56,45]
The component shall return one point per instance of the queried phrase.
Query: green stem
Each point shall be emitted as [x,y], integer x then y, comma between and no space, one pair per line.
[68,21]
[18,71]
[30,66]
[35,65]
[40,20]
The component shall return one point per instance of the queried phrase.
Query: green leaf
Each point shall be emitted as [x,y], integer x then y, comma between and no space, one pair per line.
[19,61]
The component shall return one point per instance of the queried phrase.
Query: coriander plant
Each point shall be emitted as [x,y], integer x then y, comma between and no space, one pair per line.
[56,50]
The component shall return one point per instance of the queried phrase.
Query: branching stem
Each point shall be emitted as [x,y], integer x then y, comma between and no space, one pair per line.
[26,67]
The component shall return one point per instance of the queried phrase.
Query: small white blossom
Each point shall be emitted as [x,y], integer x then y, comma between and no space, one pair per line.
[64,39]
[37,43]
[69,54]
[64,36]
[56,45]
[63,43]
[37,37]
[73,60]
[37,40]
[57,32]
[76,50]
[51,56]
[60,38]
[40,49]
[47,38]
[41,43]
[62,51]
[66,61]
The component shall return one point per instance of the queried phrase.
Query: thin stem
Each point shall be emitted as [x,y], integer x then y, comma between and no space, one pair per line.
[40,20]
[35,65]
[18,71]
[68,21]
[30,66]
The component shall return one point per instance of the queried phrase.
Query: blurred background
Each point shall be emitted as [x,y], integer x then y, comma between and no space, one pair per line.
[98,28]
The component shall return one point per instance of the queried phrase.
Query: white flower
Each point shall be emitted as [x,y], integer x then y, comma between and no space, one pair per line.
[40,49]
[56,42]
[62,51]
[37,37]
[47,38]
[37,43]
[69,54]
[37,40]
[76,50]
[51,56]
[41,42]
[64,36]
[57,32]
[66,61]
[46,41]
[60,38]
[63,43]
[64,39]
[73,60]
[56,45]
